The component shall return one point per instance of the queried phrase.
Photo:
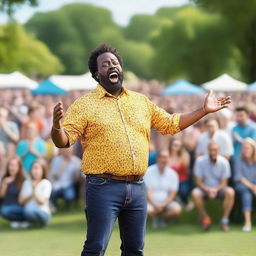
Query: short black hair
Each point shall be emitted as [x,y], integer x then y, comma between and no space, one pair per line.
[100,49]
[244,109]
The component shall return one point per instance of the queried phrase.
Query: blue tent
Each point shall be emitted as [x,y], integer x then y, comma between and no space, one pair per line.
[252,87]
[182,87]
[48,87]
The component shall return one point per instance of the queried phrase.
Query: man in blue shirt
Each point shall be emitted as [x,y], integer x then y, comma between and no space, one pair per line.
[245,128]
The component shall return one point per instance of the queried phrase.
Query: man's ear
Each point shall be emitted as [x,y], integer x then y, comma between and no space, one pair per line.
[97,75]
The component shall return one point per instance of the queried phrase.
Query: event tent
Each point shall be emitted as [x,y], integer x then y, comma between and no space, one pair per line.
[225,83]
[16,80]
[252,87]
[79,82]
[49,88]
[182,87]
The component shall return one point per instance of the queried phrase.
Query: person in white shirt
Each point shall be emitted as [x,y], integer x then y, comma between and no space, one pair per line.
[65,171]
[35,195]
[213,133]
[162,185]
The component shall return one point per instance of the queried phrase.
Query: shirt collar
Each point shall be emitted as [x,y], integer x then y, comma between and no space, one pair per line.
[101,92]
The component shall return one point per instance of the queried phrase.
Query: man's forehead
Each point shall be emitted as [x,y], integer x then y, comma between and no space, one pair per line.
[106,56]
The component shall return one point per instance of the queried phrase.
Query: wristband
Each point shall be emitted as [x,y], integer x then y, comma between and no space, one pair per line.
[57,129]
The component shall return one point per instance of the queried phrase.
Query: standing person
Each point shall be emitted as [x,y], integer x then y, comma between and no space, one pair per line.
[31,148]
[35,195]
[245,179]
[212,172]
[245,128]
[9,193]
[162,186]
[179,161]
[114,126]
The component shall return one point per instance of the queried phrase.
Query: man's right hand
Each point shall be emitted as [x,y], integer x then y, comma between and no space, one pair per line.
[58,114]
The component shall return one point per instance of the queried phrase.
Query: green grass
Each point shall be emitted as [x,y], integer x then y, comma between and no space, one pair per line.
[66,232]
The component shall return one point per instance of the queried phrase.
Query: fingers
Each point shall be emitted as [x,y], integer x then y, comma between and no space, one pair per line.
[58,111]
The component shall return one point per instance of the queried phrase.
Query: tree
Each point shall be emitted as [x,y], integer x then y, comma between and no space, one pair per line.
[241,20]
[21,51]
[8,6]
[194,46]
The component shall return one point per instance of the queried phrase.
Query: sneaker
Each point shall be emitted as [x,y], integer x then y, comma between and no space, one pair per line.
[156,222]
[224,224]
[24,224]
[206,223]
[246,228]
[15,224]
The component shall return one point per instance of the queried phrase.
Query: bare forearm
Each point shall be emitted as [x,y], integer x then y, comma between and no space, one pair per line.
[59,138]
[171,196]
[190,118]
[247,183]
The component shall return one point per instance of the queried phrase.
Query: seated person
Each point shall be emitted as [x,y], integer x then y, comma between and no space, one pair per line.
[212,172]
[162,185]
[35,195]
[245,179]
[9,193]
[64,172]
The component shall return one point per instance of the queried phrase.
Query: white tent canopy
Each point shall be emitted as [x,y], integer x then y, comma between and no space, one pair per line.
[16,80]
[225,83]
[79,82]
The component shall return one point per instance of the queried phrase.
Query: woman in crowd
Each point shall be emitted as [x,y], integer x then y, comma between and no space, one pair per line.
[9,192]
[179,161]
[35,194]
[245,179]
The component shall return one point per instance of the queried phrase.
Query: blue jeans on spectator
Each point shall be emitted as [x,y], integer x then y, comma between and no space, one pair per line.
[184,190]
[108,200]
[246,197]
[68,194]
[37,216]
[12,212]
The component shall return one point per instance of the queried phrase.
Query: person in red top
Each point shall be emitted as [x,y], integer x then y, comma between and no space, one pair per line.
[179,161]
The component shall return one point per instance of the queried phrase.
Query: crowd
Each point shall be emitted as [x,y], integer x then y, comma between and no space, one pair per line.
[214,159]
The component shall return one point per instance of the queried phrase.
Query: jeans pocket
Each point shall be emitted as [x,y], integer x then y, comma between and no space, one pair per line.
[96,180]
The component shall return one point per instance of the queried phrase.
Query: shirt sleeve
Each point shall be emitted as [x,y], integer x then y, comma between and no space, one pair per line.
[198,168]
[174,182]
[74,122]
[238,170]
[44,189]
[162,121]
[226,171]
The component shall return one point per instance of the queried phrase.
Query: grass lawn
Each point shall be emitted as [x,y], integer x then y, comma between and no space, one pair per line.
[66,232]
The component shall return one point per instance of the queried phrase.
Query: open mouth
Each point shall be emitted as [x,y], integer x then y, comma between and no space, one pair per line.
[113,77]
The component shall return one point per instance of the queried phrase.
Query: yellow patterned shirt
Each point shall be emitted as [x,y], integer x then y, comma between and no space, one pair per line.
[115,131]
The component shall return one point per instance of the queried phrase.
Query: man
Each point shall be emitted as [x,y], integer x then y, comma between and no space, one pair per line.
[162,185]
[114,126]
[214,133]
[64,173]
[212,172]
[9,133]
[245,128]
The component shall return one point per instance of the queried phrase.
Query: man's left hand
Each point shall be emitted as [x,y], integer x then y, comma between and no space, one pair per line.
[213,103]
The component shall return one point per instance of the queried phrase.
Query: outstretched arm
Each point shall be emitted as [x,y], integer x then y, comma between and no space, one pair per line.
[211,105]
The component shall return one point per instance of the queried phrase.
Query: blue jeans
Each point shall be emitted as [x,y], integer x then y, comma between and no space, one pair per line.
[37,216]
[68,194]
[108,200]
[184,190]
[246,197]
[12,212]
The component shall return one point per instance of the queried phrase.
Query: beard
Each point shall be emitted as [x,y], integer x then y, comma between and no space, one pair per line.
[110,86]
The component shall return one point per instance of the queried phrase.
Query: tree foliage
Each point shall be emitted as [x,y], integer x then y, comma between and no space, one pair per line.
[241,20]
[21,51]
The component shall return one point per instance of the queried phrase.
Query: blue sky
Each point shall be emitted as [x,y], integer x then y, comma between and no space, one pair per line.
[122,10]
